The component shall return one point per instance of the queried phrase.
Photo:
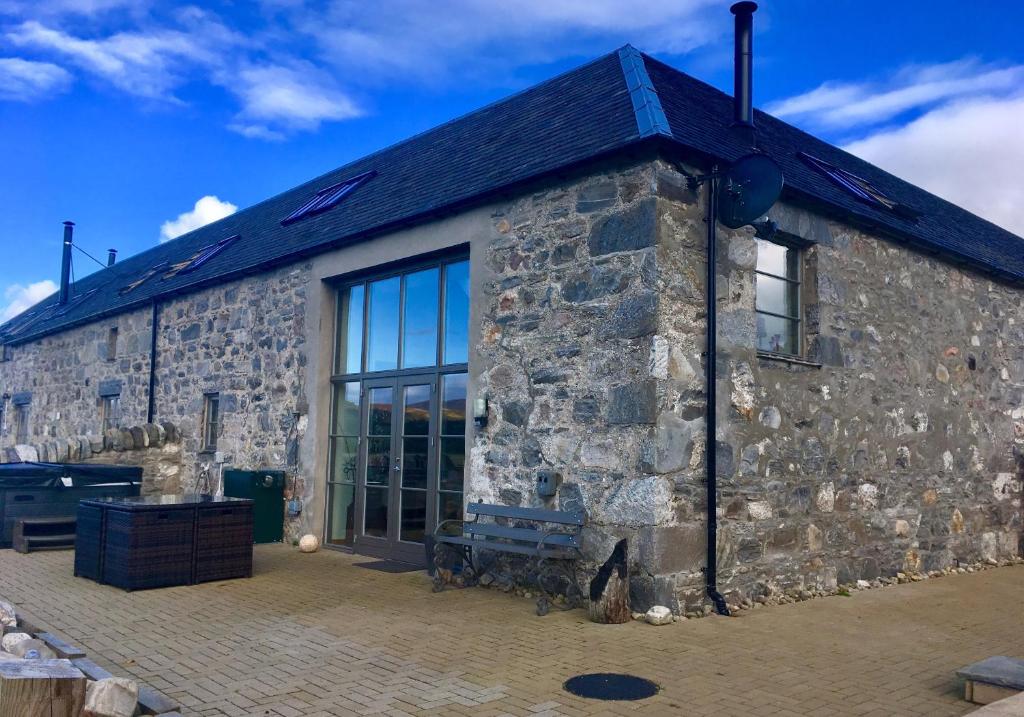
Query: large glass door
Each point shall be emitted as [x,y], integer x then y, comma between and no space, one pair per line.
[398,425]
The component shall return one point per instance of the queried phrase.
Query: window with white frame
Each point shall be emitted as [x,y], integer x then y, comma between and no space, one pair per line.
[779,317]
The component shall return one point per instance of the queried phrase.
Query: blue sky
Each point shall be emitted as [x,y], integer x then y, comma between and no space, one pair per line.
[140,119]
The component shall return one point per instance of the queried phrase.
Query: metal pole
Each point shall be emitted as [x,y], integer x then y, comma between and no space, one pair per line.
[711,417]
[151,407]
[65,264]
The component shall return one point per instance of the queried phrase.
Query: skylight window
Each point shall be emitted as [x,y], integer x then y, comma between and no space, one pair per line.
[859,187]
[73,302]
[327,198]
[200,257]
[149,274]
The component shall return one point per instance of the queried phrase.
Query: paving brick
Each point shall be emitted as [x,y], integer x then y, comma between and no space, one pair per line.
[313,636]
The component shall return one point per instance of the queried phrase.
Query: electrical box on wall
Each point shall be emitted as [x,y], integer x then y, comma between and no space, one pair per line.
[547,483]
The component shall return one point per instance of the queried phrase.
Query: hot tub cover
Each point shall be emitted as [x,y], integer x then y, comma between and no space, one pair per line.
[57,475]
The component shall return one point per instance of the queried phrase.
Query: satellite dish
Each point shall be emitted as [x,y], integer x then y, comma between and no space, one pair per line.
[748,190]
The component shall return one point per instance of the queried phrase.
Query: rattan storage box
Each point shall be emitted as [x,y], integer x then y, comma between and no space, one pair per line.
[158,541]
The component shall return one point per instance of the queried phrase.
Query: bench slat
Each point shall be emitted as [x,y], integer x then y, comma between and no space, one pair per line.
[540,515]
[509,547]
[528,535]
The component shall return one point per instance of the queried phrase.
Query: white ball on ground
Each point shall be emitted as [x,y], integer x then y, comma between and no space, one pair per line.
[309,543]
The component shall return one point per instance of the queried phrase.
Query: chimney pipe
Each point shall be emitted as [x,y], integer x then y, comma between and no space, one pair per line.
[65,263]
[111,256]
[743,91]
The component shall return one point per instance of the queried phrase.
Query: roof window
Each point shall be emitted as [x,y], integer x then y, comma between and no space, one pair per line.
[859,187]
[327,198]
[149,274]
[200,257]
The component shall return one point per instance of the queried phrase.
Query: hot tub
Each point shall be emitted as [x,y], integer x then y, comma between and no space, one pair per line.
[35,490]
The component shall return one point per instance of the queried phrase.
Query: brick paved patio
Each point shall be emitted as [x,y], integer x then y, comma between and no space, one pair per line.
[312,635]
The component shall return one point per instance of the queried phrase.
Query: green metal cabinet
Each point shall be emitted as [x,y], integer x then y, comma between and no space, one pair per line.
[266,489]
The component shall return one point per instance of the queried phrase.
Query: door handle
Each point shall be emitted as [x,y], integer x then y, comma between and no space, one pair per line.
[398,467]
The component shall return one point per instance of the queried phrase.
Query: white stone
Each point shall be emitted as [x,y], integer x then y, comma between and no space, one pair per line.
[13,638]
[1005,486]
[770,417]
[868,494]
[902,529]
[826,500]
[659,615]
[863,585]
[27,453]
[309,543]
[112,697]
[759,509]
[8,616]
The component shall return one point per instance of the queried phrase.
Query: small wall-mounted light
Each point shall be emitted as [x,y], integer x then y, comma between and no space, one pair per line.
[480,411]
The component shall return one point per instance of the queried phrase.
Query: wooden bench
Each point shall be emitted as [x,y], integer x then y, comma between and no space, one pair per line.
[551,537]
[54,532]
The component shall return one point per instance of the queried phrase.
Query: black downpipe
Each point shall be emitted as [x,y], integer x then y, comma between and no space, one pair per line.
[151,408]
[711,418]
[65,264]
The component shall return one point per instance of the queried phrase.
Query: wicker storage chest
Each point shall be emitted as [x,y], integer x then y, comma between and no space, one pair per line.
[158,541]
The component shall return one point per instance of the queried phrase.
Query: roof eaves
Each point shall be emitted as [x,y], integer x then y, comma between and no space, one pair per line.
[650,117]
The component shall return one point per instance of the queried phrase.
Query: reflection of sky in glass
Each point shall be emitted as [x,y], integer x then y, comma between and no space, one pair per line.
[419,344]
[383,341]
[456,313]
[351,331]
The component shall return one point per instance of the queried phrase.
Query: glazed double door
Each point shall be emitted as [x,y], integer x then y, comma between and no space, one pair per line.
[406,471]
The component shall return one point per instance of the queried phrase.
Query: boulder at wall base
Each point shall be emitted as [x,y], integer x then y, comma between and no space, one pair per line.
[13,638]
[658,615]
[8,617]
[39,649]
[111,697]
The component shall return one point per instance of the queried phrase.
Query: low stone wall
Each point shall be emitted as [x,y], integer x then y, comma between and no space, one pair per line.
[156,448]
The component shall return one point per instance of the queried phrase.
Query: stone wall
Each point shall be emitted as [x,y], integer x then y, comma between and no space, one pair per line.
[243,339]
[64,373]
[571,311]
[154,448]
[893,450]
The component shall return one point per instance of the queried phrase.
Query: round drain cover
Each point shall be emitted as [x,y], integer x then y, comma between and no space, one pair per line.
[610,686]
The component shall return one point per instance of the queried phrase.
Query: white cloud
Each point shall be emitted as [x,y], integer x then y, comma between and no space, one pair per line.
[25,81]
[464,38]
[147,64]
[207,209]
[294,65]
[299,97]
[18,297]
[951,128]
[836,105]
[969,152]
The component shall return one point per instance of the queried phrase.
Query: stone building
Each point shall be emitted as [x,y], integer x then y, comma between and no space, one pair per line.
[544,258]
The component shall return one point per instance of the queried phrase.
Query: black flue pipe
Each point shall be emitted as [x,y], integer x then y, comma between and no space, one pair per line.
[711,403]
[743,71]
[65,264]
[111,256]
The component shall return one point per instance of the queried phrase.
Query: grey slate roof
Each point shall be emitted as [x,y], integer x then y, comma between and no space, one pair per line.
[603,107]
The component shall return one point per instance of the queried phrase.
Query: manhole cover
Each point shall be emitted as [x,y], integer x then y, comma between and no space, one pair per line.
[610,686]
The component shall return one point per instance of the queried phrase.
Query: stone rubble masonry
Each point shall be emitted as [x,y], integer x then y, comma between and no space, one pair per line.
[892,448]
[153,447]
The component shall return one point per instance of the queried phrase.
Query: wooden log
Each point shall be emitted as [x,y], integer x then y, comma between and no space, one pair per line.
[41,688]
[609,590]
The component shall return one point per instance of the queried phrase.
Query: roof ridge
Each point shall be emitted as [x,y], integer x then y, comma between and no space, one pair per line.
[650,117]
